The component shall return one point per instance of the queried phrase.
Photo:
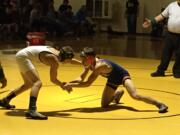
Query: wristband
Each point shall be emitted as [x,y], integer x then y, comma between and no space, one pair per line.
[153,21]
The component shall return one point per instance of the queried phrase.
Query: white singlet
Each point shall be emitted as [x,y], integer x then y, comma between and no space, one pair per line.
[28,55]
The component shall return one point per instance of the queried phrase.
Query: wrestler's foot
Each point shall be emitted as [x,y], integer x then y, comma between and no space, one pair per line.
[5,104]
[158,74]
[118,96]
[31,114]
[163,108]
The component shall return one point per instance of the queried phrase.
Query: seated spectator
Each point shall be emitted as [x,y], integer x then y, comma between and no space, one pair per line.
[3,20]
[15,19]
[67,19]
[84,23]
[35,16]
[9,19]
[64,6]
[55,22]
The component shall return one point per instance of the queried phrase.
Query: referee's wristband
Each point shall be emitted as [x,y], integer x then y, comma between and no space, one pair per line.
[1,74]
[153,21]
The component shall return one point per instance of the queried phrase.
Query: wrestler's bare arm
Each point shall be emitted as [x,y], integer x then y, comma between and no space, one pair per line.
[53,62]
[93,76]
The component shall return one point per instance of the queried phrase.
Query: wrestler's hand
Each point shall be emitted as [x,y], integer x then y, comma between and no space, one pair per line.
[64,83]
[68,88]
[3,82]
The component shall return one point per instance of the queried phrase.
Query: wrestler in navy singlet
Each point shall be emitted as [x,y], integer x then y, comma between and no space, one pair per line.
[117,75]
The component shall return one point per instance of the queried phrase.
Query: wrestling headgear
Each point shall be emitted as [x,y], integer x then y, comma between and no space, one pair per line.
[66,52]
[87,52]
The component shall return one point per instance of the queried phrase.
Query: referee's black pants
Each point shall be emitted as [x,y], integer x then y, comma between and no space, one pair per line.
[172,46]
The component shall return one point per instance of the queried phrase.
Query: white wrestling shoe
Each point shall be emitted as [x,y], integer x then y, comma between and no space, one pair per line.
[32,114]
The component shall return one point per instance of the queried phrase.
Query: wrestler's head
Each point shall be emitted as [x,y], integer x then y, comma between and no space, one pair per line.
[66,53]
[88,56]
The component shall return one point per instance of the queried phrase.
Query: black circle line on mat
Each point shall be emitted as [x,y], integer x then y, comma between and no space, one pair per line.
[132,118]
[140,118]
[163,91]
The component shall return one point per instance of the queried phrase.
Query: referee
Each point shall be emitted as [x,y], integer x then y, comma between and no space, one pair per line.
[172,40]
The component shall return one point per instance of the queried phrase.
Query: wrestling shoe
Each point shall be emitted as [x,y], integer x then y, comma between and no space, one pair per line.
[158,74]
[6,104]
[163,108]
[176,75]
[117,96]
[35,115]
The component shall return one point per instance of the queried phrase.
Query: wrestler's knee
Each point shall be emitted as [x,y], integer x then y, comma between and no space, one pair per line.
[135,96]
[104,104]
[37,83]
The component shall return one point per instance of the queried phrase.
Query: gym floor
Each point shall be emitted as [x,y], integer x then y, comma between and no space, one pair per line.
[79,112]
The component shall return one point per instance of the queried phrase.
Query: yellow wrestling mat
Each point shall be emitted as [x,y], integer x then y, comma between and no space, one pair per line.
[79,113]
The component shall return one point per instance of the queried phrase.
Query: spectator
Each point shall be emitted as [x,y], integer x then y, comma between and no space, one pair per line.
[64,6]
[84,24]
[131,12]
[35,16]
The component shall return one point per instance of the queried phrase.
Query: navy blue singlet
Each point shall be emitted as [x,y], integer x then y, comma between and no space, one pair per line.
[116,76]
